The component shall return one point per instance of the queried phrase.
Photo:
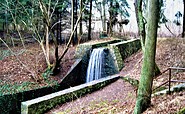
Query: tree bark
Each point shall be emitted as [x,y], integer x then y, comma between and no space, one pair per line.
[90,15]
[148,67]
[80,28]
[104,16]
[110,19]
[47,45]
[73,21]
[141,22]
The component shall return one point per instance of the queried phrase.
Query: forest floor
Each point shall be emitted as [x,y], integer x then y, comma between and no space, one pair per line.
[24,71]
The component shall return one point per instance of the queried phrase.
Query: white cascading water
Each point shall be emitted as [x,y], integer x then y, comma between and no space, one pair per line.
[94,70]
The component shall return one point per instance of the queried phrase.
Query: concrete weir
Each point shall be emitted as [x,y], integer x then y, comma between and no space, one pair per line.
[77,75]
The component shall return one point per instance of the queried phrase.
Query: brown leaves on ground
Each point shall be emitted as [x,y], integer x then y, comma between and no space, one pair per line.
[29,63]
[166,104]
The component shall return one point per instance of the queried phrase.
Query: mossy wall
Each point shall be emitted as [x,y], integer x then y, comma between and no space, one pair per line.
[120,50]
[11,103]
[109,66]
[124,49]
[43,104]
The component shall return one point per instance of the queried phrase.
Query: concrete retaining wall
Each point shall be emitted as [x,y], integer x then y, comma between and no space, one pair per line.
[43,104]
[124,49]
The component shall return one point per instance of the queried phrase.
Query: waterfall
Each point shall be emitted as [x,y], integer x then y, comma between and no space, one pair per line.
[95,68]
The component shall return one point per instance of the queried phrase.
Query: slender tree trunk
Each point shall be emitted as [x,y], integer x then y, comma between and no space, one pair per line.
[56,65]
[90,15]
[57,30]
[183,28]
[140,21]
[147,73]
[75,41]
[47,45]
[110,19]
[104,16]
[60,28]
[80,28]
[72,17]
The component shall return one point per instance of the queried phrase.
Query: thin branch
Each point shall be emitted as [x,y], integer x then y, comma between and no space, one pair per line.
[25,66]
[169,29]
[51,15]
[71,36]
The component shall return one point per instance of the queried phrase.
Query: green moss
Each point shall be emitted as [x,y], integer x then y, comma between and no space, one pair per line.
[132,81]
[123,50]
[182,111]
[4,53]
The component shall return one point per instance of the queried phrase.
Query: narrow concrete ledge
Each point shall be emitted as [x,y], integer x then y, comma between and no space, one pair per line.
[42,104]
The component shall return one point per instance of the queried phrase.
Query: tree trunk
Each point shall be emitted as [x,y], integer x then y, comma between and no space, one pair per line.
[90,15]
[183,28]
[58,59]
[140,21]
[73,20]
[110,19]
[47,46]
[75,41]
[147,73]
[141,28]
[104,16]
[60,28]
[80,28]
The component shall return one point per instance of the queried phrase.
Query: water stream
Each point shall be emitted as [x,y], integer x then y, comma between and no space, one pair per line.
[95,68]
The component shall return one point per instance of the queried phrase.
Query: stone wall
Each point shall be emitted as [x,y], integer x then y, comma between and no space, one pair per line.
[11,103]
[42,104]
[124,49]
